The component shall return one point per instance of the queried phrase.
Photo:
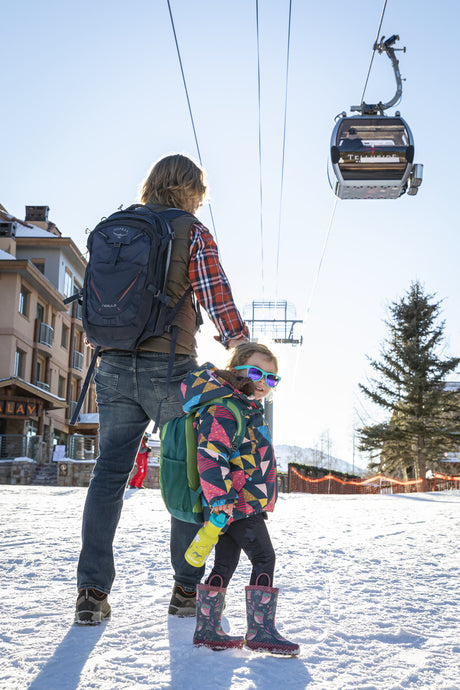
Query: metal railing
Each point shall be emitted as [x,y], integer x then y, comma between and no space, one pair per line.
[78,311]
[77,362]
[44,386]
[75,310]
[82,447]
[20,446]
[45,334]
[71,408]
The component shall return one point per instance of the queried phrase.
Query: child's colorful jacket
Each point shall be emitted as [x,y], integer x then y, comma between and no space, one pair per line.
[247,475]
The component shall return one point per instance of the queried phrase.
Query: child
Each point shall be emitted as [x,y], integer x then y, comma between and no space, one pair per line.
[242,483]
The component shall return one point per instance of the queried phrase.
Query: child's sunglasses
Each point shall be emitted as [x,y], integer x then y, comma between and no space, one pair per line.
[255,374]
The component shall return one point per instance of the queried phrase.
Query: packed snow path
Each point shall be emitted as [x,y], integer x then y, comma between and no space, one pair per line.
[369,589]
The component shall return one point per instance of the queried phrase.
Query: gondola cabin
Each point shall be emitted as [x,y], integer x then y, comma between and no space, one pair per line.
[372,158]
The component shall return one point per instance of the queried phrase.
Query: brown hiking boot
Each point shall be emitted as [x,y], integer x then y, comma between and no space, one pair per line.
[182,603]
[92,607]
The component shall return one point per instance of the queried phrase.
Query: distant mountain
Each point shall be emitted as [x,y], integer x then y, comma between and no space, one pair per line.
[309,456]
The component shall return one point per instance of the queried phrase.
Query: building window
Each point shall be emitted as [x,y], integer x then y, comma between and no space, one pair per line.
[64,336]
[40,312]
[33,428]
[61,387]
[19,363]
[67,284]
[24,298]
[40,264]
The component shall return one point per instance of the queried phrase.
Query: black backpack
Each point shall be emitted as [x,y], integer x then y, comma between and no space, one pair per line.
[124,298]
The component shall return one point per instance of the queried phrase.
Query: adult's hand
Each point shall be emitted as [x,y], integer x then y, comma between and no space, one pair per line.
[234,342]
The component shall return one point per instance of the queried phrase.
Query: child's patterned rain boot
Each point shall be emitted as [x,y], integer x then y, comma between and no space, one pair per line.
[262,636]
[209,606]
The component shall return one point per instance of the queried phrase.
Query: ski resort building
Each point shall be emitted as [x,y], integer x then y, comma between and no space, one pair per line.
[43,357]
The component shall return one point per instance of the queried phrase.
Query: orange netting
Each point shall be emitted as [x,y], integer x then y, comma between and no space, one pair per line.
[379,484]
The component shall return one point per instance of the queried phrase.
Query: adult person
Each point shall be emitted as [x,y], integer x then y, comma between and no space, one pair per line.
[352,141]
[142,462]
[129,386]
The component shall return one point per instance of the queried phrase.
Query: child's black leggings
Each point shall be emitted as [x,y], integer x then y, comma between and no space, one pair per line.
[250,535]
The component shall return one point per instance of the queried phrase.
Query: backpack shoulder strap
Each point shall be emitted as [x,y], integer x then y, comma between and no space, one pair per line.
[241,421]
[193,476]
[236,411]
[85,386]
[170,213]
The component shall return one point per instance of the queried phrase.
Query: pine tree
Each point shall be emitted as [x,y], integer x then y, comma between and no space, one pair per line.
[424,417]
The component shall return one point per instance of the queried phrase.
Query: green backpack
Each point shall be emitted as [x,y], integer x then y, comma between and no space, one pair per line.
[179,477]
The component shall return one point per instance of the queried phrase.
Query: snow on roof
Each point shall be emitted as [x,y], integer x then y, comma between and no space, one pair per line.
[4,255]
[89,418]
[34,231]
[18,381]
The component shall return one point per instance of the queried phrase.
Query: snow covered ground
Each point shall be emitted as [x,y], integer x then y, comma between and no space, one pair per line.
[369,589]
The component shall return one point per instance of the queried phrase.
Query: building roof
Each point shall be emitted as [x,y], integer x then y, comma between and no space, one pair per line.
[57,402]
[5,256]
[26,231]
[33,276]
[33,231]
[88,418]
[8,216]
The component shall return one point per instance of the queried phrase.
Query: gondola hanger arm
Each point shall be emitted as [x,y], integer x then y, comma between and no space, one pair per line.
[378,108]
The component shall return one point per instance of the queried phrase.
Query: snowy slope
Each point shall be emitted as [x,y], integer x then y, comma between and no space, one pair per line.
[369,589]
[310,456]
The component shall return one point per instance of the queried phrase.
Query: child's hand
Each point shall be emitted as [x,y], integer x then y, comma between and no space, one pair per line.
[226,508]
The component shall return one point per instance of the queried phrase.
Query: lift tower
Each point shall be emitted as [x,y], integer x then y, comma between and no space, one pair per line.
[273,320]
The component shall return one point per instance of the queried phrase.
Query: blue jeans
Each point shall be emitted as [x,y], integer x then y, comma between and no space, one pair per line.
[129,387]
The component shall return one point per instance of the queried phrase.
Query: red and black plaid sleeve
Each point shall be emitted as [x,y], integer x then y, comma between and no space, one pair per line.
[211,286]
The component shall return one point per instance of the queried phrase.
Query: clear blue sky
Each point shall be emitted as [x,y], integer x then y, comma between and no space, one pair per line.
[92,95]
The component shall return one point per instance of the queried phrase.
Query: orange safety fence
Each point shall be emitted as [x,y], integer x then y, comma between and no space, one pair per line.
[379,484]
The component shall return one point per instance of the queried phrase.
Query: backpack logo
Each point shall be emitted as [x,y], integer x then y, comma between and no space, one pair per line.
[121,232]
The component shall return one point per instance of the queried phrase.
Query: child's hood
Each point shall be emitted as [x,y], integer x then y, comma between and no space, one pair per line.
[202,386]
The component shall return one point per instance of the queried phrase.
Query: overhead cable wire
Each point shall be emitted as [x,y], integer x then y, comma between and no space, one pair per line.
[260,154]
[283,151]
[318,270]
[312,293]
[309,303]
[373,50]
[189,104]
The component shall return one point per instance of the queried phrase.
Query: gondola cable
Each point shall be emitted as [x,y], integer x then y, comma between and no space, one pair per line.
[373,51]
[294,378]
[260,153]
[189,107]
[283,152]
[328,231]
[320,264]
